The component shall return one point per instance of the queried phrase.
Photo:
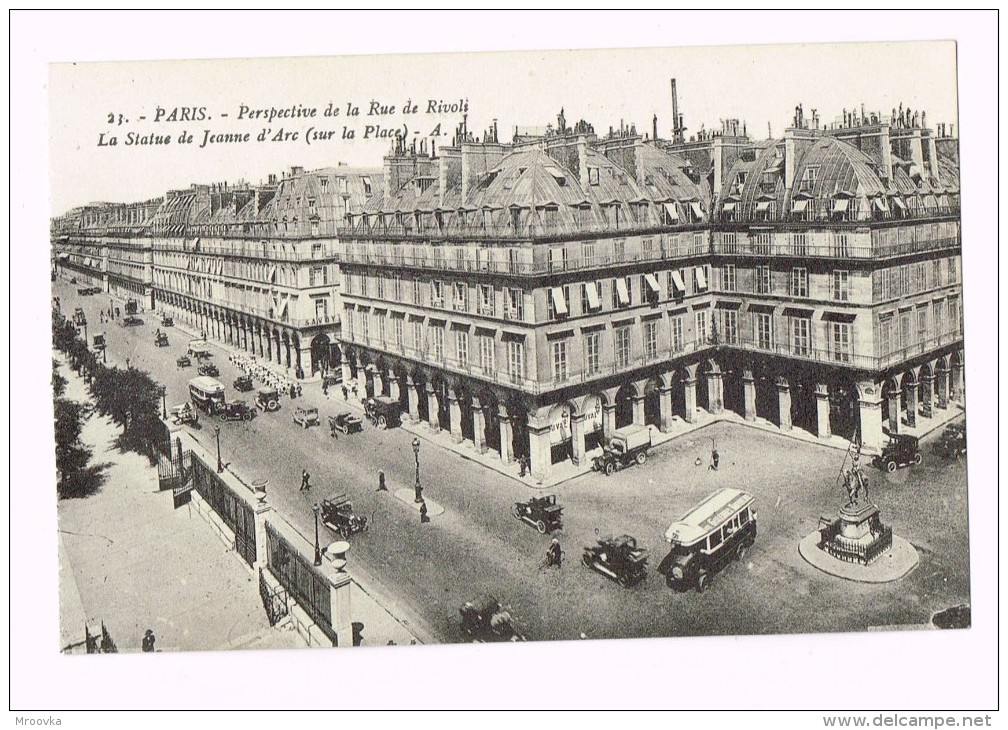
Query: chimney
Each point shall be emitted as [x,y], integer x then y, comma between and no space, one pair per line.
[654,127]
[917,150]
[582,153]
[677,126]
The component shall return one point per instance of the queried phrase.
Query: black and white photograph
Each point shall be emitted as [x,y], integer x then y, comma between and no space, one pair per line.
[489,349]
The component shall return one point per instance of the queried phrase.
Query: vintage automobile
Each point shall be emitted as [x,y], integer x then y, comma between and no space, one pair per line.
[161,339]
[167,321]
[332,377]
[618,558]
[543,513]
[902,450]
[383,412]
[243,383]
[97,343]
[628,445]
[79,318]
[183,361]
[84,291]
[267,399]
[236,410]
[715,532]
[485,619]
[209,369]
[132,306]
[952,442]
[131,321]
[346,423]
[305,417]
[338,515]
[184,414]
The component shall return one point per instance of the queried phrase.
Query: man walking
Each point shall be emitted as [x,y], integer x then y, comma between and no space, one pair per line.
[304,480]
[423,513]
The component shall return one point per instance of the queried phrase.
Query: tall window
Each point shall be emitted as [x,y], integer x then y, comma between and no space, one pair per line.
[885,335]
[460,297]
[651,339]
[702,332]
[728,281]
[317,276]
[647,245]
[591,297]
[699,243]
[799,282]
[462,347]
[677,334]
[366,326]
[397,288]
[936,272]
[514,308]
[799,244]
[762,280]
[560,360]
[953,315]
[622,292]
[729,326]
[486,299]
[761,243]
[381,328]
[398,332]
[588,253]
[619,249]
[622,347]
[416,291]
[840,244]
[557,302]
[437,293]
[516,360]
[437,343]
[922,333]
[381,286]
[841,339]
[487,354]
[764,330]
[417,342]
[841,285]
[558,258]
[801,335]
[905,331]
[592,359]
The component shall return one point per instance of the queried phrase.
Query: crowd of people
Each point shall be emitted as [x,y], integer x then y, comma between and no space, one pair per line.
[263,374]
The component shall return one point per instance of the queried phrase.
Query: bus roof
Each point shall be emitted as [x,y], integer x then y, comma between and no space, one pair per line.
[707,516]
[206,384]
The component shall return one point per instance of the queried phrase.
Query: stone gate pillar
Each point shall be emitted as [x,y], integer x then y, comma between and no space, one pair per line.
[958,391]
[911,400]
[506,434]
[784,404]
[870,415]
[941,388]
[927,395]
[479,426]
[894,409]
[715,393]
[638,409]
[393,385]
[345,370]
[749,395]
[540,451]
[413,399]
[823,430]
[432,409]
[608,420]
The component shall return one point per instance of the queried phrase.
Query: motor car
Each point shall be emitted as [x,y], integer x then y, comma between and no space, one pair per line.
[79,317]
[132,306]
[243,383]
[543,513]
[951,444]
[618,558]
[209,369]
[236,410]
[902,450]
[305,417]
[628,445]
[198,348]
[98,343]
[167,321]
[485,619]
[383,412]
[346,423]
[715,532]
[183,361]
[184,414]
[131,321]
[338,515]
[161,339]
[267,399]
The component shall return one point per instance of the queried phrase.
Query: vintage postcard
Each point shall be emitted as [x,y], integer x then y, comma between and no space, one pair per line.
[362,351]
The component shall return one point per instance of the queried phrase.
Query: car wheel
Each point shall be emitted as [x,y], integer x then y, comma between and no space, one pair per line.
[609,469]
[918,458]
[273,405]
[586,561]
[890,466]
[703,582]
[541,526]
[223,417]
[641,458]
[624,580]
[740,553]
[304,425]
[516,511]
[382,424]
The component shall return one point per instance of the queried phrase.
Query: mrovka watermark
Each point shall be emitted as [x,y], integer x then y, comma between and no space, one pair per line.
[50,720]
[882,720]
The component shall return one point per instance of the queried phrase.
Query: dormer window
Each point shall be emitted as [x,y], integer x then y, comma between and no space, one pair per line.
[593,176]
[809,178]
[367,185]
[323,183]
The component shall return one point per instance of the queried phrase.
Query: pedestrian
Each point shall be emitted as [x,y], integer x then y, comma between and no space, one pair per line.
[304,480]
[554,555]
[117,316]
[298,391]
[714,459]
[346,393]
[325,389]
[522,465]
[148,641]
[381,481]
[293,393]
[423,513]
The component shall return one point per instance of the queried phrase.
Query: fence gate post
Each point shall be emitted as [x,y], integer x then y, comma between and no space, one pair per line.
[178,448]
[261,510]
[339,606]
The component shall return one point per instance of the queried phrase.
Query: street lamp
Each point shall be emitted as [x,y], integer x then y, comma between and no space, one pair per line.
[164,402]
[318,552]
[220,466]
[84,322]
[127,363]
[417,489]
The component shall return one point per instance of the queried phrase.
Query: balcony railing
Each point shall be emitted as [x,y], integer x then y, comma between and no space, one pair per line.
[833,250]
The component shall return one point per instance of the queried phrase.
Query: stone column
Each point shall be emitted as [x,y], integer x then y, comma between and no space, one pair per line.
[715,393]
[665,408]
[378,382]
[479,426]
[341,613]
[958,391]
[941,386]
[540,453]
[432,409]
[608,421]
[506,435]
[749,394]
[927,395]
[911,402]
[689,385]
[784,404]
[455,416]
[894,411]
[577,438]
[261,510]
[369,382]
[305,361]
[870,415]
[345,371]
[413,399]
[638,409]
[393,385]
[822,411]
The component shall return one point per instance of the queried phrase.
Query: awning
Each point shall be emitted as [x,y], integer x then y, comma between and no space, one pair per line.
[881,204]
[847,317]
[594,301]
[799,206]
[671,211]
[697,210]
[899,203]
[559,300]
[840,205]
[701,277]
[763,206]
[622,292]
[283,309]
[652,283]
[678,284]
[728,208]
[63,256]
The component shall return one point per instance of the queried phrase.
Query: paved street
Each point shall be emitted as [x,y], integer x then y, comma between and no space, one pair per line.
[427,571]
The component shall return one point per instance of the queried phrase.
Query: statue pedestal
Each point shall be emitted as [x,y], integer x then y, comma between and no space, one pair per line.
[857,535]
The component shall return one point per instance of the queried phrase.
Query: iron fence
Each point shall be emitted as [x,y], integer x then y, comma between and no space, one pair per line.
[274,600]
[301,579]
[237,514]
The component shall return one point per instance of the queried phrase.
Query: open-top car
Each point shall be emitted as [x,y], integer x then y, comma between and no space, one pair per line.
[243,383]
[209,369]
[79,318]
[183,361]
[267,399]
[305,417]
[383,412]
[543,513]
[346,423]
[338,515]
[618,558]
[184,414]
[236,410]
[131,321]
[902,450]
[485,619]
[161,339]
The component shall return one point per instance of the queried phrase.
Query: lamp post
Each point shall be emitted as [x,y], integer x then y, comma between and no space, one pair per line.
[417,489]
[220,466]
[127,363]
[164,402]
[318,552]
[84,323]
